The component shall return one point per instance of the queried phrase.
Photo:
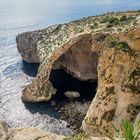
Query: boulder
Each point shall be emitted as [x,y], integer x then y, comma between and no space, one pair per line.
[26,133]
[32,134]
[72,94]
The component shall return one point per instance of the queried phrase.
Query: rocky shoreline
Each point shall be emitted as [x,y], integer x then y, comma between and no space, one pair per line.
[34,134]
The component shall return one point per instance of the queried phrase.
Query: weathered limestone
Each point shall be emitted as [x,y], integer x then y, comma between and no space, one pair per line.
[27,43]
[3,130]
[44,87]
[32,134]
[26,134]
[107,51]
[118,95]
[37,134]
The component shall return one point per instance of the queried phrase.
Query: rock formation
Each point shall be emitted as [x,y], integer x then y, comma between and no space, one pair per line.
[106,48]
[72,94]
[26,134]
[118,94]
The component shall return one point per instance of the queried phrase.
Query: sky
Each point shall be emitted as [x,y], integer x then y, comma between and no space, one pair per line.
[48,12]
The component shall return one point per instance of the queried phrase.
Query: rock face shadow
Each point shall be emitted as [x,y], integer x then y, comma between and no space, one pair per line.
[42,108]
[30,69]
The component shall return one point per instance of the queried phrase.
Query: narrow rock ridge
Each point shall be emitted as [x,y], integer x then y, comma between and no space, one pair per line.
[104,47]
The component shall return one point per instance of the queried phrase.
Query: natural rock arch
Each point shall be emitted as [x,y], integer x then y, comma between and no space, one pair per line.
[75,56]
[115,100]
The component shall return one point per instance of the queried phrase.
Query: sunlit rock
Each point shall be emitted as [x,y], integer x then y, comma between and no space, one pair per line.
[72,94]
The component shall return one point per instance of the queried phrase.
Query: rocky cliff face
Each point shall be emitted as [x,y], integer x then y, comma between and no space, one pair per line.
[106,48]
[118,95]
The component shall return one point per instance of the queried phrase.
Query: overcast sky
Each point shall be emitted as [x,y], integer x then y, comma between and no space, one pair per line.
[56,11]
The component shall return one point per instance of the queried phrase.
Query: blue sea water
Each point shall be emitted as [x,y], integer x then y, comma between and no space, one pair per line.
[18,16]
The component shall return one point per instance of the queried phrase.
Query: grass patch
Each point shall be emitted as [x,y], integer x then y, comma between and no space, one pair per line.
[94,25]
[80,136]
[127,131]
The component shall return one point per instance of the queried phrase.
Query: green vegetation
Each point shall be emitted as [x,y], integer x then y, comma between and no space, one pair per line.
[110,90]
[110,42]
[94,25]
[123,46]
[136,72]
[80,29]
[90,120]
[119,29]
[101,37]
[104,20]
[80,136]
[126,20]
[123,18]
[120,45]
[127,131]
[134,89]
[113,20]
[109,20]
[133,84]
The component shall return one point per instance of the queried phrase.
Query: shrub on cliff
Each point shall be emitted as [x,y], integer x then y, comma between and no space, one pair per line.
[128,131]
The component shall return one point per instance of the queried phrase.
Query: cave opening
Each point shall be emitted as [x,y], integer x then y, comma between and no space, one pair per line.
[72,110]
[63,82]
[76,71]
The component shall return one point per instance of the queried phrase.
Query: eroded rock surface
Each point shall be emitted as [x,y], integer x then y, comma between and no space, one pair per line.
[27,43]
[118,95]
[26,134]
[3,130]
[105,48]
[42,89]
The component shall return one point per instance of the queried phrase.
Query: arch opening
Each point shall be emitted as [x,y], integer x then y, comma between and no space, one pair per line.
[64,82]
[75,71]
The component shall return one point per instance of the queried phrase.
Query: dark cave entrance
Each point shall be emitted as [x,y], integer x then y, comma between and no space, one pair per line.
[73,111]
[63,82]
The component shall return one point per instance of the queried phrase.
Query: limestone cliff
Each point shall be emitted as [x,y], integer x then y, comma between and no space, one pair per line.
[106,48]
